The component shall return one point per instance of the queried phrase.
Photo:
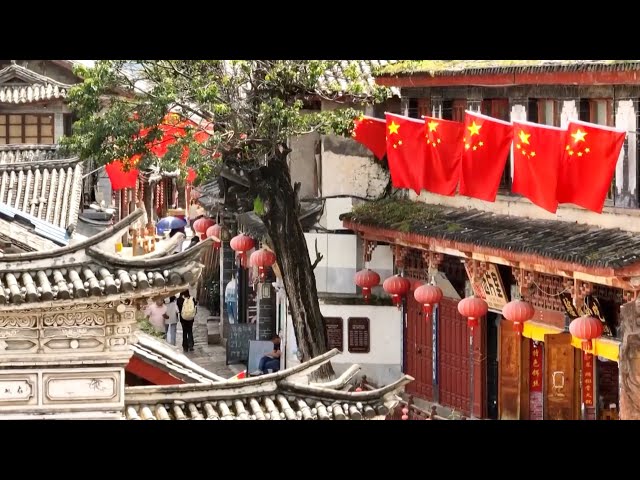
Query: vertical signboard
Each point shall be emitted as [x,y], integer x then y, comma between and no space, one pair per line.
[587,379]
[535,381]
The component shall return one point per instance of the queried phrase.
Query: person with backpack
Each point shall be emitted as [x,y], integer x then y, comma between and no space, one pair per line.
[187,310]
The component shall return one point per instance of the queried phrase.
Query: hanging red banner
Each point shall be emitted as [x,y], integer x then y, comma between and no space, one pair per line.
[587,379]
[535,367]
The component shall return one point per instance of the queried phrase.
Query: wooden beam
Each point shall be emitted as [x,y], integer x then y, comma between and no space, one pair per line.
[627,77]
[548,267]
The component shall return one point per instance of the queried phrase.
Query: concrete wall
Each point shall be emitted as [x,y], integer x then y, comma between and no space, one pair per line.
[382,365]
[334,274]
[611,217]
[303,163]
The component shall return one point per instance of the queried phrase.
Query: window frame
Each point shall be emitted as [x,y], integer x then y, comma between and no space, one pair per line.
[9,139]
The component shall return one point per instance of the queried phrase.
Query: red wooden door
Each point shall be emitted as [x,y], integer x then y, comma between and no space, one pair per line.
[453,359]
[419,351]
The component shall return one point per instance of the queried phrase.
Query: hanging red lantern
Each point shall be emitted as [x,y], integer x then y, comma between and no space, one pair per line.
[397,287]
[472,308]
[262,259]
[242,244]
[518,312]
[201,225]
[215,231]
[367,279]
[586,328]
[428,295]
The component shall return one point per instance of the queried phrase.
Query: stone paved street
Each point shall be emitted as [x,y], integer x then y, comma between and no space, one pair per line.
[211,357]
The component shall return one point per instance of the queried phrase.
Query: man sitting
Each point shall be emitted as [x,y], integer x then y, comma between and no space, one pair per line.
[271,361]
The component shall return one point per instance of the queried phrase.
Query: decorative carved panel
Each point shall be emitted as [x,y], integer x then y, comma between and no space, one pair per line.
[79,387]
[18,389]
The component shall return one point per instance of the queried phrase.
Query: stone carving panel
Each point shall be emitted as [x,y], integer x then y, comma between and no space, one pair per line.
[11,346]
[89,344]
[103,387]
[72,318]
[18,389]
[26,320]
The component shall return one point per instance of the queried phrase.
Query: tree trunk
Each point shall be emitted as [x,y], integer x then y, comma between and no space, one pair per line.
[290,246]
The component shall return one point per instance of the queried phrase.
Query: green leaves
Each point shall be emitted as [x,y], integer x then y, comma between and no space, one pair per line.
[254,105]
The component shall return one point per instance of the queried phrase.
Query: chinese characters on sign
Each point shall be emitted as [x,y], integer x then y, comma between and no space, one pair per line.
[334,328]
[587,379]
[11,390]
[359,341]
[535,381]
[492,289]
[535,368]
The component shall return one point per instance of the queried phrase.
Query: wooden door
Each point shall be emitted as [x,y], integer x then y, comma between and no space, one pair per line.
[559,378]
[453,361]
[419,350]
[509,372]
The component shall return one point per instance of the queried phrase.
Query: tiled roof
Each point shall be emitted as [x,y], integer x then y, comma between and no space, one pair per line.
[33,180]
[483,67]
[335,79]
[568,242]
[162,355]
[276,396]
[83,271]
[19,85]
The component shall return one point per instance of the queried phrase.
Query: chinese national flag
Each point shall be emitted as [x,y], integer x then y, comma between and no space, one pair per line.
[443,155]
[590,157]
[370,132]
[537,153]
[486,146]
[406,151]
[119,178]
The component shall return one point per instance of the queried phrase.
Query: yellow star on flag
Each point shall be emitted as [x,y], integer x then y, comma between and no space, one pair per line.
[432,126]
[578,136]
[393,128]
[474,129]
[524,137]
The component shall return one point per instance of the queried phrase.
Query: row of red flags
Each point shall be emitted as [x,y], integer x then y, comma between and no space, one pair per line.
[172,128]
[551,165]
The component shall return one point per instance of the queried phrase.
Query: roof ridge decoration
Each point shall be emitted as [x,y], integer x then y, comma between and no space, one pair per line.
[273,396]
[80,272]
[36,88]
[18,71]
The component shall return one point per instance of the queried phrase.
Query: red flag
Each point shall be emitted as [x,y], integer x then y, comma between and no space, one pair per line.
[537,153]
[406,151]
[486,146]
[119,178]
[443,155]
[590,157]
[370,132]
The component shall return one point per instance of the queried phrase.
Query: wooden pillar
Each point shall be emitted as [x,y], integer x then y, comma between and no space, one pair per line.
[266,308]
[629,363]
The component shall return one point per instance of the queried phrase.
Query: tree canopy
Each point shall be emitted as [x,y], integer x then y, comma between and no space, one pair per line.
[255,106]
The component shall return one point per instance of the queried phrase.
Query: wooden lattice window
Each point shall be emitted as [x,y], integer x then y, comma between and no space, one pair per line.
[30,129]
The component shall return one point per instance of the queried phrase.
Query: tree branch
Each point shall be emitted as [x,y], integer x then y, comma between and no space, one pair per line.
[318,259]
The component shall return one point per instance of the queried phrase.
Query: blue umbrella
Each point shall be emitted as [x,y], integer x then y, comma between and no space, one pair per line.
[170,223]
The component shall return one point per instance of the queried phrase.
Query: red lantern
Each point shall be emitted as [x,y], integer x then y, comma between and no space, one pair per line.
[201,225]
[472,308]
[397,287]
[518,312]
[405,413]
[428,295]
[215,231]
[586,328]
[367,279]
[262,259]
[242,244]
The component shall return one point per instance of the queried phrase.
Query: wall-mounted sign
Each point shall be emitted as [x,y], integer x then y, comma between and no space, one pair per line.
[491,288]
[334,328]
[587,379]
[358,338]
[536,399]
[590,306]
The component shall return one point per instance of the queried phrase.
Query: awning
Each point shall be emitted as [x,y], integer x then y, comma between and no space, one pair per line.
[603,347]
